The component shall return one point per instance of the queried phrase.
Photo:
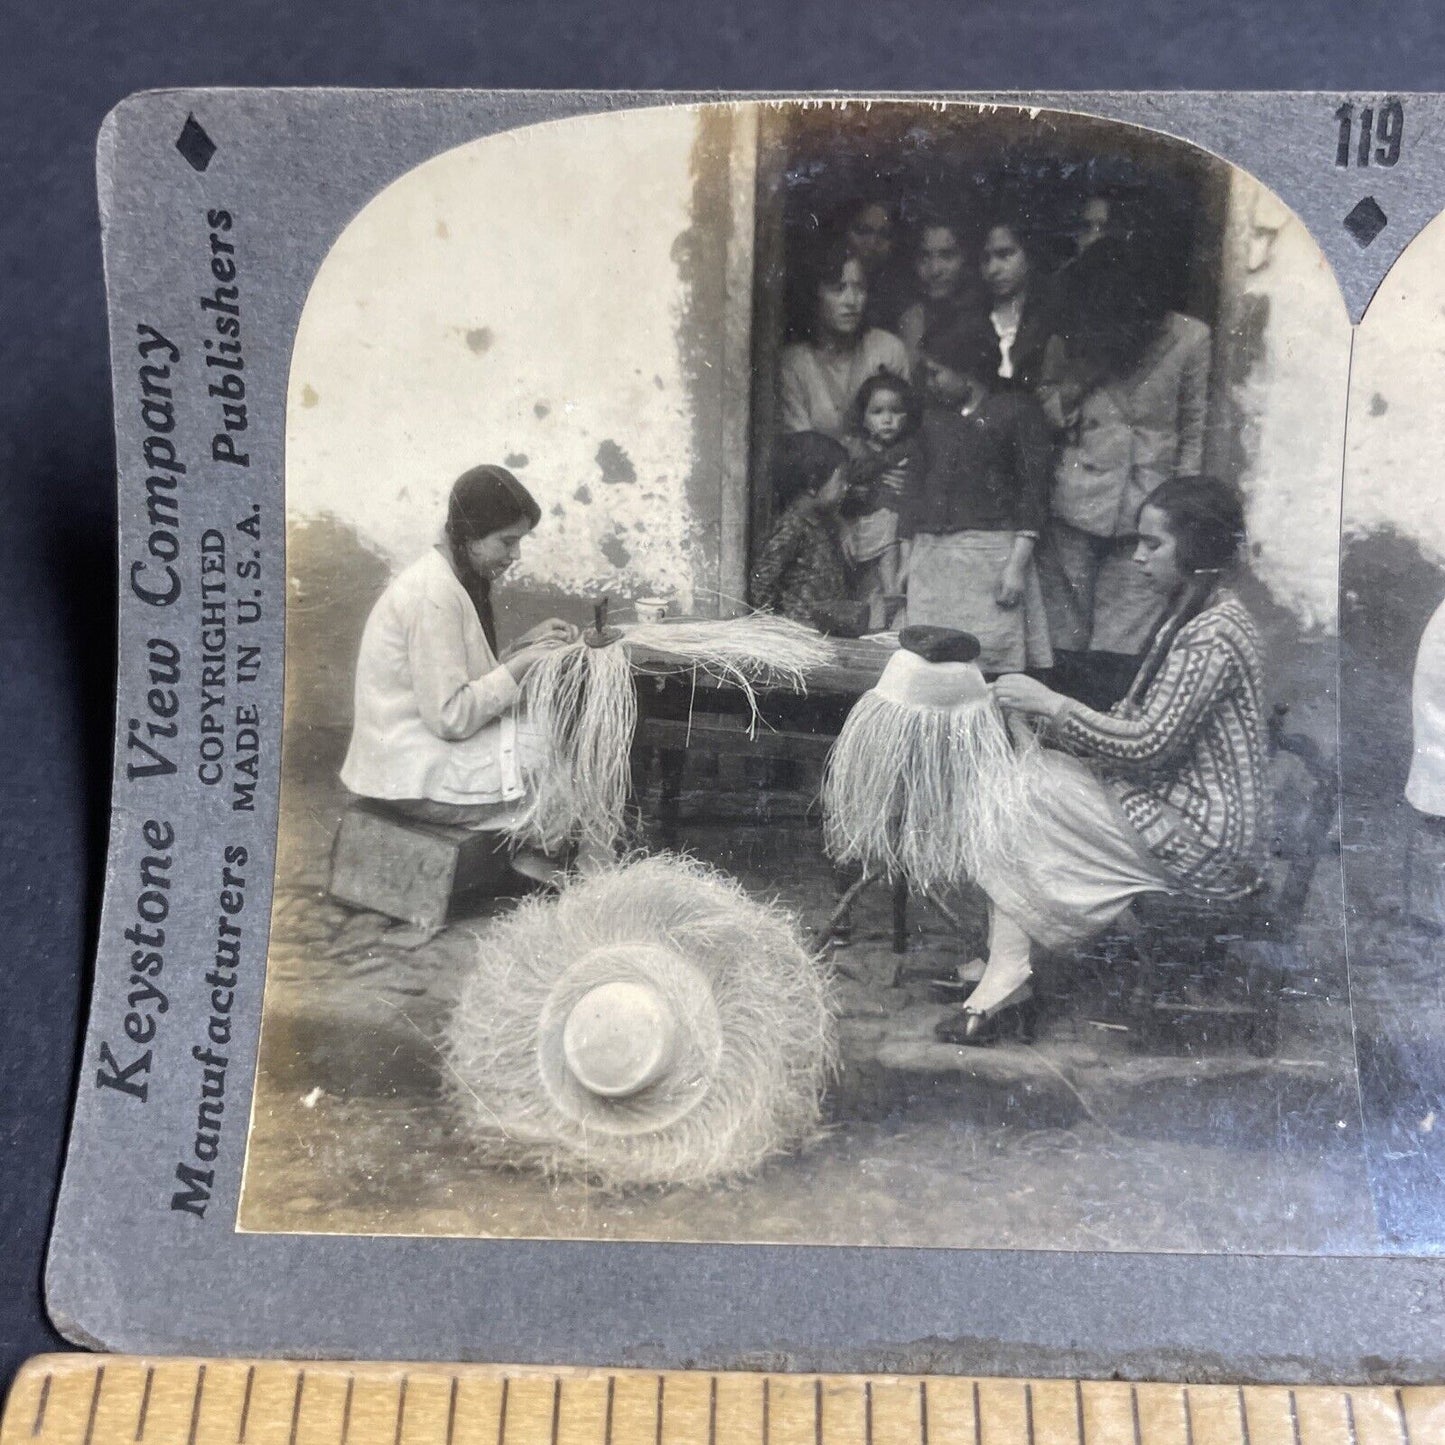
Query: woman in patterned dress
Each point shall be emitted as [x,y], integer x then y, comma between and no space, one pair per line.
[1164,793]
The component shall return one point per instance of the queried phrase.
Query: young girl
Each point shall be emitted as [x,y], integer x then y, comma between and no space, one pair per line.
[969,524]
[802,567]
[885,454]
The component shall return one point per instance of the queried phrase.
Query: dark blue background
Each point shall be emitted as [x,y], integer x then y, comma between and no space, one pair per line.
[61,68]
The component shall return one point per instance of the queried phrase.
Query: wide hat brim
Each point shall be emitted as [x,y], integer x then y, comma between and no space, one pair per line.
[653,1024]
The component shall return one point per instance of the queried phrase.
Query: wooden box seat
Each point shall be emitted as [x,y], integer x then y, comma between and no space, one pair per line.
[411,870]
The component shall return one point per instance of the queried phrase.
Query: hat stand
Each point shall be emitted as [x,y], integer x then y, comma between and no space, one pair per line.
[929,646]
[901,890]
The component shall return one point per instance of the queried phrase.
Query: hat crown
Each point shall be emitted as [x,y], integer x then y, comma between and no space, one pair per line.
[912,681]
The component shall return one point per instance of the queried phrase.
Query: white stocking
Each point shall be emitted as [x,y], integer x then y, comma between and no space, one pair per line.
[1009,965]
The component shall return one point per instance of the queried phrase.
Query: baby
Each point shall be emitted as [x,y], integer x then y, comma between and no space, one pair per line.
[886,454]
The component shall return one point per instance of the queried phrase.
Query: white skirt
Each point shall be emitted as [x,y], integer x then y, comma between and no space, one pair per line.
[1078,864]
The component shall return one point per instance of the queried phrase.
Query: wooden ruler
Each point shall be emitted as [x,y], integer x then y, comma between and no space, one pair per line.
[121,1400]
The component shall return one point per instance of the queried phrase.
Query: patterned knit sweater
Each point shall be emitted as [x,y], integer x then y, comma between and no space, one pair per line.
[1187,763]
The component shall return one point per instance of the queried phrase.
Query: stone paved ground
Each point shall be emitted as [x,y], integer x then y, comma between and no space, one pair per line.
[1077,1141]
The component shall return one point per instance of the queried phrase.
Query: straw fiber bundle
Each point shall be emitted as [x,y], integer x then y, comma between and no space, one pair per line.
[925,782]
[651,1025]
[581,700]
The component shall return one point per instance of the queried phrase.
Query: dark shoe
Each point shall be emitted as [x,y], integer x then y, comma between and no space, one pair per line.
[971,1029]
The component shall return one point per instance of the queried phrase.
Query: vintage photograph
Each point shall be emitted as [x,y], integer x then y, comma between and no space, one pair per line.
[811,698]
[1392,722]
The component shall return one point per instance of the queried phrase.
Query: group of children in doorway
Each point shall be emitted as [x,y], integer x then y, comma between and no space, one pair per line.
[853,507]
[977,460]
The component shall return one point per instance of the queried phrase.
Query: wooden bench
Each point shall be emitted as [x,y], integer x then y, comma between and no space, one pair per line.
[411,870]
[1223,967]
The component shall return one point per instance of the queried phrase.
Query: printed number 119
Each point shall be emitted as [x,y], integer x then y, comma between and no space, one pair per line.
[1376,138]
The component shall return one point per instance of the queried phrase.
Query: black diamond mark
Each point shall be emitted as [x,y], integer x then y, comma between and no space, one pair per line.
[197,147]
[1366,221]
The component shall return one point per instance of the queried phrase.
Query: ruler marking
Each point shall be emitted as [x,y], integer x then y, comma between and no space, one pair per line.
[557,1408]
[1079,1411]
[145,1403]
[977,1417]
[44,1400]
[922,1412]
[452,1410]
[818,1411]
[246,1406]
[767,1409]
[195,1406]
[400,1409]
[711,1410]
[1350,1418]
[1294,1418]
[607,1424]
[1404,1422]
[1134,1411]
[502,1413]
[1188,1419]
[1243,1414]
[867,1412]
[94,1405]
[657,1431]
[1029,1413]
[296,1406]
[345,1408]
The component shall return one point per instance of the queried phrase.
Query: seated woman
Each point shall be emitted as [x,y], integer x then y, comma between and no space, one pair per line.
[1165,793]
[435,732]
[801,567]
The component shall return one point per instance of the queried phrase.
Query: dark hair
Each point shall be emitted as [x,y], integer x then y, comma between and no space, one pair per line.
[1205,516]
[805,460]
[885,380]
[484,500]
[1113,305]
[969,347]
[822,265]
[936,220]
[853,206]
[1020,227]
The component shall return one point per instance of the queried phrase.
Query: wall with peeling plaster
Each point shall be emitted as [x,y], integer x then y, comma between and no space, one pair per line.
[517,300]
[574,300]
[1283,367]
[1395,461]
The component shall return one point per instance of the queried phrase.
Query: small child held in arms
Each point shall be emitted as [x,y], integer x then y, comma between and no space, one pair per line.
[969,526]
[886,453]
[801,567]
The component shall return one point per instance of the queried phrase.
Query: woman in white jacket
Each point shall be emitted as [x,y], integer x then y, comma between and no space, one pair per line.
[436,732]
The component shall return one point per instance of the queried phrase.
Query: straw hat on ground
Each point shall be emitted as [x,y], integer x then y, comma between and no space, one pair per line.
[652,1024]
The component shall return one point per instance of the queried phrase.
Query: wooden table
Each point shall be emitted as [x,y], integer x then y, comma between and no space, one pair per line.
[683,712]
[683,709]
